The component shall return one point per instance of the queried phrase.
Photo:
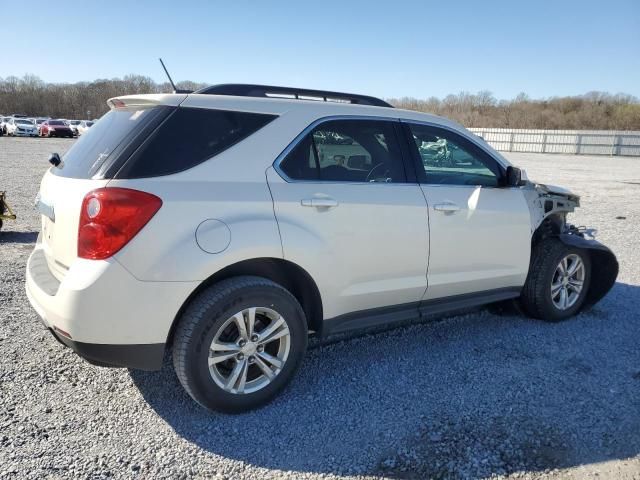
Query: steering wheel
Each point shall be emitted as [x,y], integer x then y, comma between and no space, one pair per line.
[373,170]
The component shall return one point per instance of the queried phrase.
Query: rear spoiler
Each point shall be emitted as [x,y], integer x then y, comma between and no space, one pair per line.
[147,100]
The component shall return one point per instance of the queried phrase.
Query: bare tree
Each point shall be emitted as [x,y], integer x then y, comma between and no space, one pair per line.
[594,110]
[29,95]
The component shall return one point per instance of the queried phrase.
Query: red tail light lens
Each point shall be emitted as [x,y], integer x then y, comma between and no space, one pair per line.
[110,218]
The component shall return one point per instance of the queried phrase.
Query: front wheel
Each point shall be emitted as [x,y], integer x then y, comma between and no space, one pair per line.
[558,281]
[239,343]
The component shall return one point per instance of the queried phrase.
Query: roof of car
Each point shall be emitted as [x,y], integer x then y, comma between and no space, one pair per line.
[291,93]
[309,109]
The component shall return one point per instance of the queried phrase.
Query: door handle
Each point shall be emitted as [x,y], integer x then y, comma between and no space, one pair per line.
[446,207]
[319,202]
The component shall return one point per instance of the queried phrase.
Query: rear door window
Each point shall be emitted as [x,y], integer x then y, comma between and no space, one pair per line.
[188,137]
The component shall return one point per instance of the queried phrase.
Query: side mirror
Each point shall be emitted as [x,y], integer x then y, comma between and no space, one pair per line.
[55,160]
[515,177]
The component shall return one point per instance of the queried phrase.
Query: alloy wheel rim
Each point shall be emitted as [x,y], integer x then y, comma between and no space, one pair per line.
[567,282]
[249,350]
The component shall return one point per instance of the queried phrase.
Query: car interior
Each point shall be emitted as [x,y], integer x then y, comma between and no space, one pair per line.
[347,151]
[447,162]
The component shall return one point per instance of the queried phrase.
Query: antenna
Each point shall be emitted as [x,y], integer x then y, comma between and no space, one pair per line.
[168,76]
[175,90]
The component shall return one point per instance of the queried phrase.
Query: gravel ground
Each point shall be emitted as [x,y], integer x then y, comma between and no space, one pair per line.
[478,395]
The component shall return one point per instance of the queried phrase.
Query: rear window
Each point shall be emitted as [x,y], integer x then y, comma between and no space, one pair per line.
[100,151]
[188,137]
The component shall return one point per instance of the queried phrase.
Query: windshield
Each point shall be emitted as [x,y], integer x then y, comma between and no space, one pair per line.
[24,122]
[89,124]
[75,122]
[56,122]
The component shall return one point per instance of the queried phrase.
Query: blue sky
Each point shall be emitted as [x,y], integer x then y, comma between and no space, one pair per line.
[386,48]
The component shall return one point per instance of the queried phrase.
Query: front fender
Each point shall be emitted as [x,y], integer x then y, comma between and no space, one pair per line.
[604,265]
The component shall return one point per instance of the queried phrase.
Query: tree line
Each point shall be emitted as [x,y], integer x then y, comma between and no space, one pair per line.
[591,111]
[32,96]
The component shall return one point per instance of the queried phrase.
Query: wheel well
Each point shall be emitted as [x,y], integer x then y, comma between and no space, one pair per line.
[604,265]
[551,226]
[285,273]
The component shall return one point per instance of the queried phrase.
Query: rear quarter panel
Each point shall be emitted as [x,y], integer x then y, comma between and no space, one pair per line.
[230,187]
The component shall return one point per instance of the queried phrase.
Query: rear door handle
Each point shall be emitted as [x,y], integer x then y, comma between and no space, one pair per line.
[446,207]
[319,202]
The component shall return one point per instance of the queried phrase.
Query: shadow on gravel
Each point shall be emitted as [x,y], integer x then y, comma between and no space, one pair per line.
[18,237]
[473,396]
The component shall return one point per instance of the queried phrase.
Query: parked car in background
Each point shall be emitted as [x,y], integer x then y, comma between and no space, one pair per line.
[21,127]
[68,124]
[73,124]
[39,122]
[55,128]
[84,125]
[3,124]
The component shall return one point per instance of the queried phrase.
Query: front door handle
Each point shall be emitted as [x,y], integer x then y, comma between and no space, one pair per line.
[319,202]
[446,207]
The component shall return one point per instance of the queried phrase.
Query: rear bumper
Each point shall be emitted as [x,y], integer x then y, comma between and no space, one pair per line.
[142,357]
[109,317]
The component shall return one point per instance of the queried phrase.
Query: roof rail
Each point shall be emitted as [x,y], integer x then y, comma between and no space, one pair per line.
[245,90]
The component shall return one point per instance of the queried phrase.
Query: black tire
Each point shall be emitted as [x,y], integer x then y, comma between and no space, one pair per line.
[204,316]
[536,294]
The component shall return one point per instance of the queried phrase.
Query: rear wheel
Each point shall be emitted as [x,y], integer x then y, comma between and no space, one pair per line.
[239,343]
[558,281]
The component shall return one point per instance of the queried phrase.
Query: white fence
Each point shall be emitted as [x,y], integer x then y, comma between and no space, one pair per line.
[586,142]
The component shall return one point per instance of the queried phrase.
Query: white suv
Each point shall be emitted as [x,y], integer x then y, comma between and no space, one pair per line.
[233,222]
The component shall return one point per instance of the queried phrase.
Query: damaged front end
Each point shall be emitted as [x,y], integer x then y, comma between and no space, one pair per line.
[549,206]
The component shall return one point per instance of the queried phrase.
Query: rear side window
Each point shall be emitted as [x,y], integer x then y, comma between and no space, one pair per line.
[106,140]
[189,137]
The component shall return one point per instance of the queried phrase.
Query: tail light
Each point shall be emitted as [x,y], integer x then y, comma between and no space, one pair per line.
[110,218]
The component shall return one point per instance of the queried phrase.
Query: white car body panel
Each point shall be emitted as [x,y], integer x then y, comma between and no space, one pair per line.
[60,235]
[485,245]
[369,251]
[245,208]
[99,302]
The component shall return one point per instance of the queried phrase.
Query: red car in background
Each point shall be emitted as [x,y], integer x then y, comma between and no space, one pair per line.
[55,128]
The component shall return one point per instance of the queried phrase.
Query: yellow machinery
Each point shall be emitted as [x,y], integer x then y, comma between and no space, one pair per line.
[5,209]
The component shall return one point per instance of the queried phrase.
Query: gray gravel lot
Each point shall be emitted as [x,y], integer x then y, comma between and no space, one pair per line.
[473,396]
